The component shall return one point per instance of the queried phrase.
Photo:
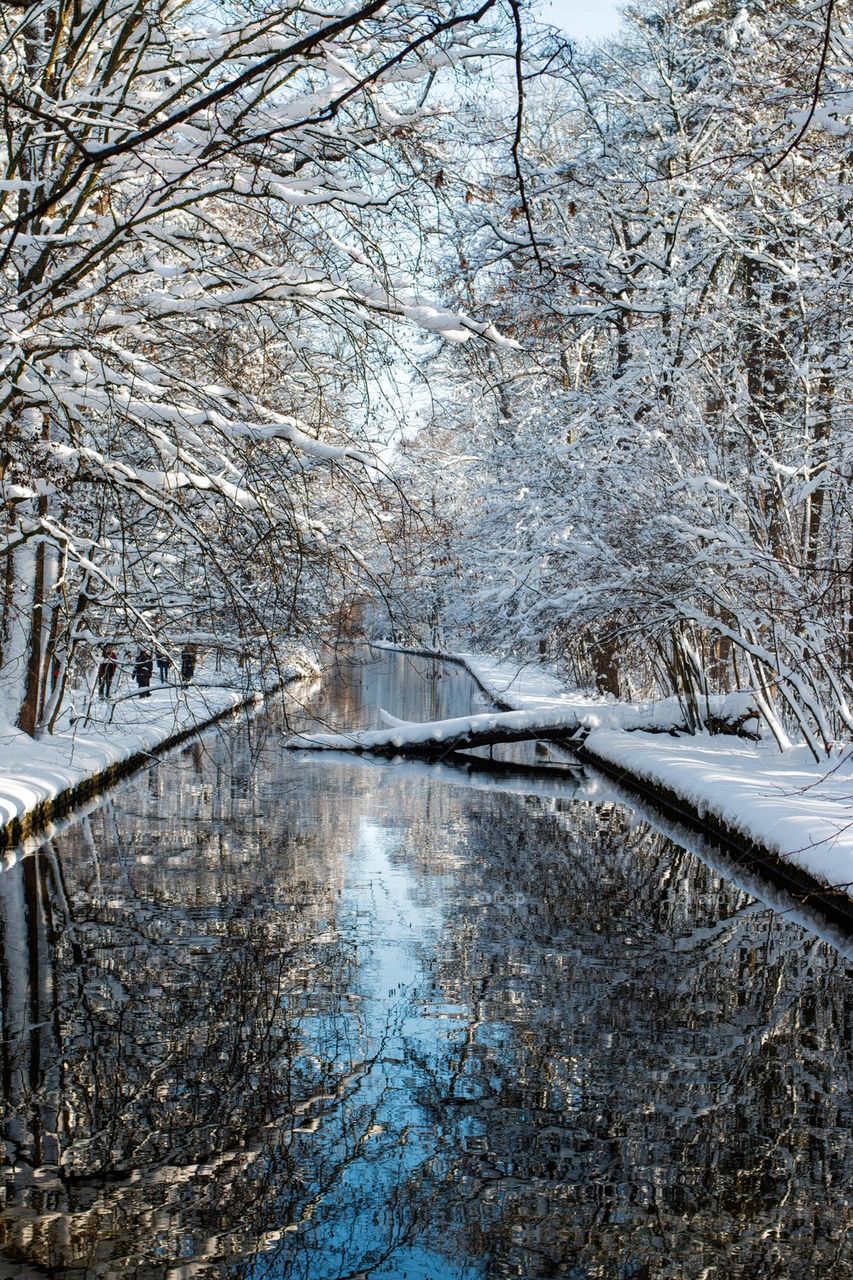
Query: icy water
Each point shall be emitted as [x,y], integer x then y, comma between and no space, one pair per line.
[269,1016]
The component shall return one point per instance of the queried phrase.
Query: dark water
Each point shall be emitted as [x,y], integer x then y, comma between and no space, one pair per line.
[266,1016]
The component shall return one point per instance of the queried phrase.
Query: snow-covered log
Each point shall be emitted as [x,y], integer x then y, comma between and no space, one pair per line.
[439,738]
[568,721]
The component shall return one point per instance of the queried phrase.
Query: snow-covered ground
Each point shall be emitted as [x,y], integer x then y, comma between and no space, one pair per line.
[93,737]
[784,802]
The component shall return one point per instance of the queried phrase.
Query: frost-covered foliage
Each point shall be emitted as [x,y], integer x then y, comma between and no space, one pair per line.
[665,479]
[206,213]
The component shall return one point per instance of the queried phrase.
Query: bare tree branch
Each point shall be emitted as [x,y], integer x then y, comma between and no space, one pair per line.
[824,54]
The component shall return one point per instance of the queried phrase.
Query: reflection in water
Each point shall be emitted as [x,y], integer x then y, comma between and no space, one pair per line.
[266,1016]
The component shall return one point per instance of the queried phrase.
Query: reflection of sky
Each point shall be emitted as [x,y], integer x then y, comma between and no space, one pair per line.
[581,19]
[398,1015]
[383,891]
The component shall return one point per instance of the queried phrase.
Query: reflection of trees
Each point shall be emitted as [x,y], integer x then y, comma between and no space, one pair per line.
[184,1077]
[158,1089]
[153,1057]
[635,1084]
[609,1059]
[413,688]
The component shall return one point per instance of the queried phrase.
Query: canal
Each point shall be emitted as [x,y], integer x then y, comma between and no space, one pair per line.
[317,1018]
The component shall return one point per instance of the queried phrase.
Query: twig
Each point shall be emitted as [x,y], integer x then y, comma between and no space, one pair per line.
[516,142]
[824,54]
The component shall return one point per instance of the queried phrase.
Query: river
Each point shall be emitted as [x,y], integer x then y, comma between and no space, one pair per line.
[267,1015]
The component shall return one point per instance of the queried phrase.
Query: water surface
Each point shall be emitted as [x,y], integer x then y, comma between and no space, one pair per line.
[276,1016]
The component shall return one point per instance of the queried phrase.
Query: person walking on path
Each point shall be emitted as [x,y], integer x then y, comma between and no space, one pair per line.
[188,655]
[143,670]
[164,662]
[107,670]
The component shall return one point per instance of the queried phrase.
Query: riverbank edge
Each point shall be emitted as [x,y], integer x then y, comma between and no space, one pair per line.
[26,825]
[834,903]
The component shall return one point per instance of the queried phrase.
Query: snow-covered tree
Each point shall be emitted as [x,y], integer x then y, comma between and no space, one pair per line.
[678,436]
[206,213]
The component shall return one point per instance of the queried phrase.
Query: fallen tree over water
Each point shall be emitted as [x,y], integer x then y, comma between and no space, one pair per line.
[435,739]
[568,724]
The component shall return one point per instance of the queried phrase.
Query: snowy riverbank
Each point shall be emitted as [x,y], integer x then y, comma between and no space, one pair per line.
[95,745]
[798,810]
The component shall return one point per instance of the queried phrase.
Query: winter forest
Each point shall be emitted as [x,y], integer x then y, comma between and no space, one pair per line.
[407,379]
[420,320]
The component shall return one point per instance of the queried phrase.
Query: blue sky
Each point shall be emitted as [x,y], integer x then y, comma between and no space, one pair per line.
[583,19]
